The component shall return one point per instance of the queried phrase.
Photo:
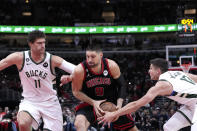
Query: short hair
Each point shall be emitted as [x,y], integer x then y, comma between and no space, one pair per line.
[160,63]
[32,36]
[94,47]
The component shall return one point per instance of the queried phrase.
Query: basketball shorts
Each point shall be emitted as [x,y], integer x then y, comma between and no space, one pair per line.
[49,111]
[123,123]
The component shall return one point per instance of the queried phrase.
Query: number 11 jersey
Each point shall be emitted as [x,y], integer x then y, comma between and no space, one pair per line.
[37,78]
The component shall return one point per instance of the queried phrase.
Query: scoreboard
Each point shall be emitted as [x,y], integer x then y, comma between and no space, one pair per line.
[186,32]
[187,23]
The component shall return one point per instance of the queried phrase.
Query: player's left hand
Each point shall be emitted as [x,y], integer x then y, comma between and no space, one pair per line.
[65,79]
[107,118]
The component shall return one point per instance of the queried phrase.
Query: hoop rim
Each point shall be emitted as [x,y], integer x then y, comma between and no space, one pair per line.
[186,67]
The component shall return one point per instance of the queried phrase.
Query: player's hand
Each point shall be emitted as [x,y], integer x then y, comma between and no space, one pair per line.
[107,118]
[118,107]
[65,79]
[98,110]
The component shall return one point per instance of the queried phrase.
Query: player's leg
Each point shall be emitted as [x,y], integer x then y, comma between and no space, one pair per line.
[52,124]
[182,118]
[28,116]
[133,129]
[51,113]
[85,116]
[81,123]
[24,121]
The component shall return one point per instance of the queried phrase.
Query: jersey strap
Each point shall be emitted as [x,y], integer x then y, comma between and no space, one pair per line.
[185,117]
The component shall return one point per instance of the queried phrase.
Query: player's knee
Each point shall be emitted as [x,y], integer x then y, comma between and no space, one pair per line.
[79,123]
[24,122]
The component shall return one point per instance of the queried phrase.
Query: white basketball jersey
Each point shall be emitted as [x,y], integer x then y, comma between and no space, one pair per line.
[37,78]
[184,88]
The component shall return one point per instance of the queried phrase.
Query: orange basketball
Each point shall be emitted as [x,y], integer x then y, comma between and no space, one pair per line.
[108,106]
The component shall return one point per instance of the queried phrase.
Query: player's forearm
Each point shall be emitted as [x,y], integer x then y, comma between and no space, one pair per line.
[83,97]
[67,66]
[129,108]
[135,105]
[119,102]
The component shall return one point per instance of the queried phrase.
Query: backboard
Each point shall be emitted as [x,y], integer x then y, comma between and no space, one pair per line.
[178,55]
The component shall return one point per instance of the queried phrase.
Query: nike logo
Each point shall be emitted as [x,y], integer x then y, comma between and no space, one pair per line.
[28,64]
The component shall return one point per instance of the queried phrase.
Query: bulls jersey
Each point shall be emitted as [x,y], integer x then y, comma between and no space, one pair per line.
[37,78]
[99,86]
[184,88]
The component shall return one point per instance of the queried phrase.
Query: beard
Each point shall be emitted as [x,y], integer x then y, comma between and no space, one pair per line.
[92,65]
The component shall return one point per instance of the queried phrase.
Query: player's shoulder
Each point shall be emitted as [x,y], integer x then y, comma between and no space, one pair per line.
[79,68]
[55,59]
[17,55]
[111,63]
[78,71]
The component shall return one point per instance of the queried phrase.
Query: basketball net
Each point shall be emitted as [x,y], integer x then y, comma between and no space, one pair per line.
[186,67]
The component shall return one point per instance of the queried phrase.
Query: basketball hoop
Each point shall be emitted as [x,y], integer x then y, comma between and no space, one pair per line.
[186,67]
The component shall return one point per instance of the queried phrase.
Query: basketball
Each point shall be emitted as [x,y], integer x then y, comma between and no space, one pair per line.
[108,106]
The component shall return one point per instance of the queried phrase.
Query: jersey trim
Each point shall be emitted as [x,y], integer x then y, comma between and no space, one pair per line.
[84,76]
[50,60]
[162,80]
[23,62]
[34,61]
[185,116]
[107,63]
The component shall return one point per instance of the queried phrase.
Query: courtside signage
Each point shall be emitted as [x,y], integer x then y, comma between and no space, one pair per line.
[94,30]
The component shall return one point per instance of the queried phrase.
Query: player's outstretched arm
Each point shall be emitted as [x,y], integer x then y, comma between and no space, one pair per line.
[161,88]
[62,64]
[12,59]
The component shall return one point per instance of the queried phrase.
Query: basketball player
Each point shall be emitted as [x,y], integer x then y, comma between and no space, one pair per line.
[176,85]
[36,71]
[94,81]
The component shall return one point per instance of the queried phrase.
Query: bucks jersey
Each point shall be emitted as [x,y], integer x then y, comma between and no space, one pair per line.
[184,88]
[37,78]
[99,86]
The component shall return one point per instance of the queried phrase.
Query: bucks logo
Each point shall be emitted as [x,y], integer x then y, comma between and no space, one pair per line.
[45,64]
[27,59]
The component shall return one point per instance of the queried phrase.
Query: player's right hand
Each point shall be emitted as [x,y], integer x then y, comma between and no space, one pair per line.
[65,79]
[98,110]
[107,119]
